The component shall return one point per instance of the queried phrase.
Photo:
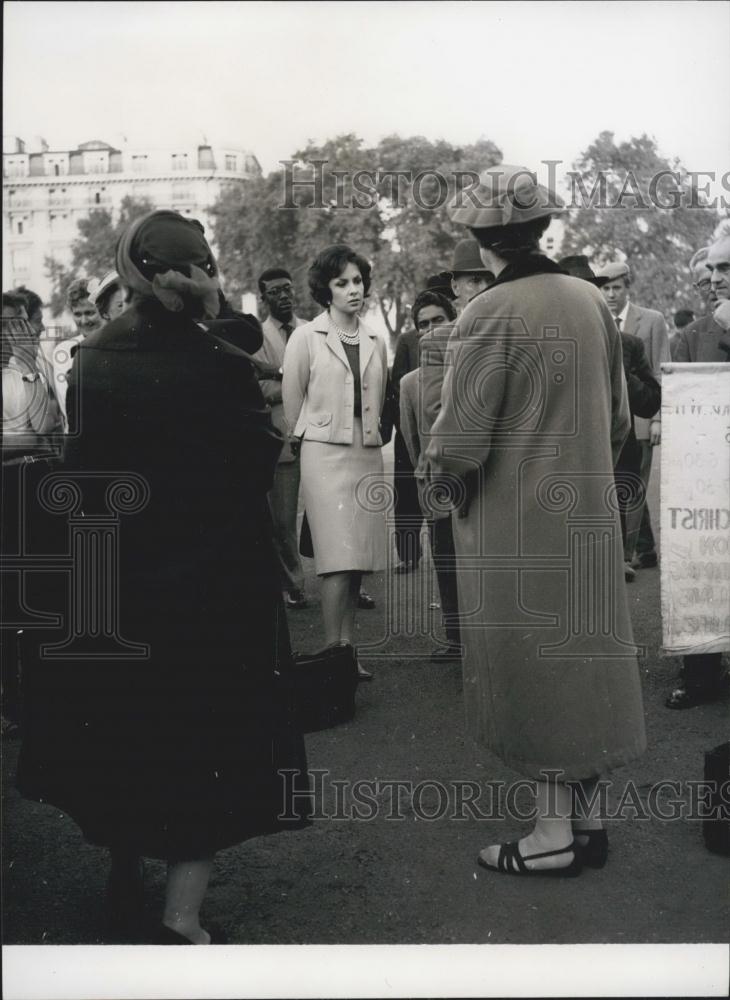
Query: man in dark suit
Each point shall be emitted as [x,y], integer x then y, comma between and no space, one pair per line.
[644,400]
[650,327]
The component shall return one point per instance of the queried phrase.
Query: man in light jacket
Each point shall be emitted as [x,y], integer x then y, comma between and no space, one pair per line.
[650,327]
[277,294]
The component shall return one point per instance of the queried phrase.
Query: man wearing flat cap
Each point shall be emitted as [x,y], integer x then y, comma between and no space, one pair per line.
[469,276]
[650,327]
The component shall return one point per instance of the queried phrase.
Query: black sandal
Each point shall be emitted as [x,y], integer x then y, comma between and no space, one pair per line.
[511,862]
[595,852]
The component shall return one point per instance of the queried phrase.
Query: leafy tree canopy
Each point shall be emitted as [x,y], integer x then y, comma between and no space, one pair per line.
[388,202]
[92,253]
[630,200]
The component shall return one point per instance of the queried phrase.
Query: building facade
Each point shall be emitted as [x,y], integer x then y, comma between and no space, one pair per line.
[46,192]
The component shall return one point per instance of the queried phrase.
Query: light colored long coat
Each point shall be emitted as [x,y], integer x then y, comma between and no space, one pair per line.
[534,413]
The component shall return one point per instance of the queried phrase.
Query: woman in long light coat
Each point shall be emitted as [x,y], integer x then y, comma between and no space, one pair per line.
[534,414]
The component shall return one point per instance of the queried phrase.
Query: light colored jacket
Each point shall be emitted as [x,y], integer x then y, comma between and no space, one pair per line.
[319,388]
[271,355]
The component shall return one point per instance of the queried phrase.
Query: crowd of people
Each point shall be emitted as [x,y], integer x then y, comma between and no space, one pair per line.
[235,427]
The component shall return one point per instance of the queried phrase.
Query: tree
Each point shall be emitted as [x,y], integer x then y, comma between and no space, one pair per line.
[628,198]
[387,202]
[92,253]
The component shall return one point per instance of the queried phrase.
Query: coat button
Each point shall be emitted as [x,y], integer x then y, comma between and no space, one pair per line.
[367,407]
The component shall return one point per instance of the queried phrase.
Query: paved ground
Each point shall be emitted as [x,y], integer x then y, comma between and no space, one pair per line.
[410,880]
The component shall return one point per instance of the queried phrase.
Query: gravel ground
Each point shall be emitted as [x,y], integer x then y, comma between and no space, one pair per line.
[410,880]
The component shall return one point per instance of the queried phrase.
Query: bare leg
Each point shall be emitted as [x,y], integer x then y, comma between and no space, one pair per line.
[552,830]
[335,602]
[187,882]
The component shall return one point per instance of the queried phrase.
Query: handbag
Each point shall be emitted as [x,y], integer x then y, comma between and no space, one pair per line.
[319,688]
[306,548]
[716,830]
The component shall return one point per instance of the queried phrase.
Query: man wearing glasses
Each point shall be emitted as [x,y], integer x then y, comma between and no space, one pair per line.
[703,677]
[699,341]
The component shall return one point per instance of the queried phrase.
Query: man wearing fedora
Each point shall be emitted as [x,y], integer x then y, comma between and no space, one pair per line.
[578,266]
[650,327]
[469,276]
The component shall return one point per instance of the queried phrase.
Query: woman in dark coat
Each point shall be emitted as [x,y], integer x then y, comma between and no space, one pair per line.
[534,414]
[174,754]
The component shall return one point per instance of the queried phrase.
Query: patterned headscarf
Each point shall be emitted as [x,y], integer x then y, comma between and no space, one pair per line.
[165,256]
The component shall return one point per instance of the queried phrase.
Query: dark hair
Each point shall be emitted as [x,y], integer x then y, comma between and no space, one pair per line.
[328,265]
[683,317]
[14,300]
[432,298]
[269,274]
[33,302]
[77,291]
[514,240]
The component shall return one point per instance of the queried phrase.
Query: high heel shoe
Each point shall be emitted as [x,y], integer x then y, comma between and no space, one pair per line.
[363,675]
[595,851]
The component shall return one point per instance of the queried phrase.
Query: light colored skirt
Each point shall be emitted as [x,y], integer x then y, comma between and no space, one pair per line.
[345,504]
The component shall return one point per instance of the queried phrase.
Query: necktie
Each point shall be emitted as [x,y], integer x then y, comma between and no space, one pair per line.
[618,323]
[286,329]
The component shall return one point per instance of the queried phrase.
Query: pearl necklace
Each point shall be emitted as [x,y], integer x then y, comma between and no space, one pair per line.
[347,338]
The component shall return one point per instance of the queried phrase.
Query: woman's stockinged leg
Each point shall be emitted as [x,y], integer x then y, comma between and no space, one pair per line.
[552,832]
[187,882]
[335,602]
[347,632]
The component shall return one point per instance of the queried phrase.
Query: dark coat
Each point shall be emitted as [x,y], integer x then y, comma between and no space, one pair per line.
[175,755]
[645,395]
[405,360]
[700,342]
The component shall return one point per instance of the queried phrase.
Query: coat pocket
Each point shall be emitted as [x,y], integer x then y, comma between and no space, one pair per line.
[319,426]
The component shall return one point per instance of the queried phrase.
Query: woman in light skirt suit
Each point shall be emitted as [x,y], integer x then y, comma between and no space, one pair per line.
[334,384]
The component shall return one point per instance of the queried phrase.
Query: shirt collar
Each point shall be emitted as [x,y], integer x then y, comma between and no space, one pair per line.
[279,325]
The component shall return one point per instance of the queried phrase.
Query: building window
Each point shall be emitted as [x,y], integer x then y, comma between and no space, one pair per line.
[179,161]
[21,260]
[181,192]
[14,168]
[97,198]
[139,162]
[231,162]
[19,227]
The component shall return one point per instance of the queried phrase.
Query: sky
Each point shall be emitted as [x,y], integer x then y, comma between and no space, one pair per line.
[539,79]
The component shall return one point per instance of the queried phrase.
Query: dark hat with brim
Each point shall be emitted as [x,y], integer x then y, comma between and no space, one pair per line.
[577,265]
[441,283]
[467,259]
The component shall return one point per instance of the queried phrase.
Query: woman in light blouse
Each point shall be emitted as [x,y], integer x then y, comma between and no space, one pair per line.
[334,384]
